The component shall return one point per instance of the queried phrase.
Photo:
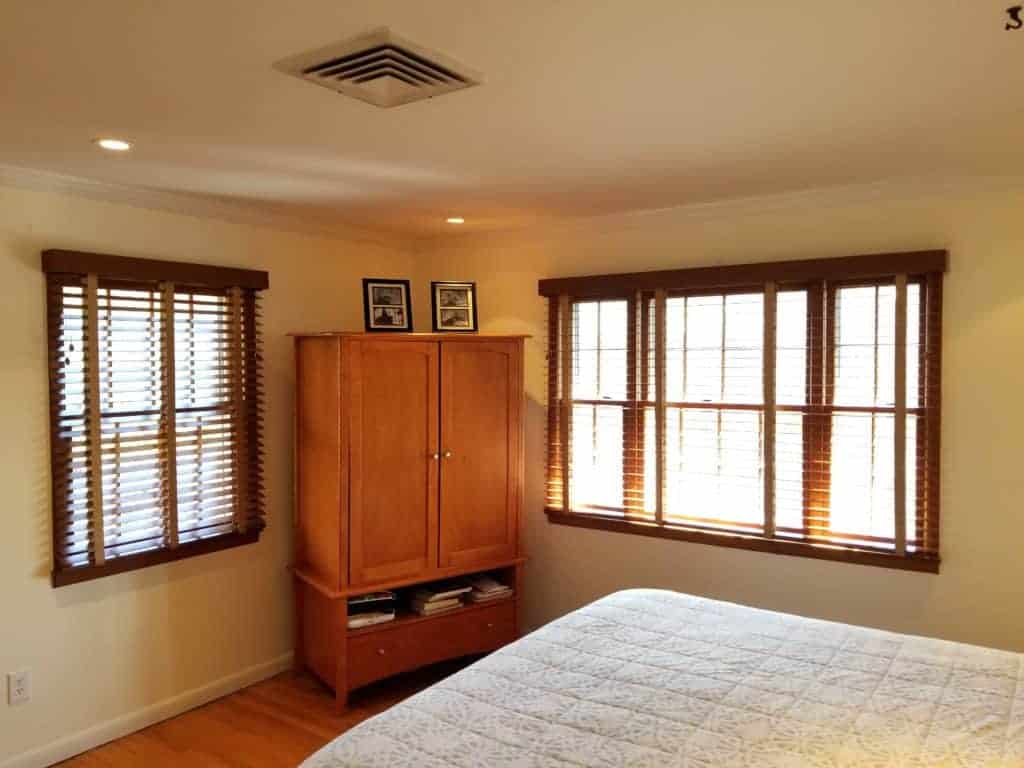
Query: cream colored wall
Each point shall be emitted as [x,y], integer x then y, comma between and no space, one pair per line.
[109,648]
[979,594]
[106,649]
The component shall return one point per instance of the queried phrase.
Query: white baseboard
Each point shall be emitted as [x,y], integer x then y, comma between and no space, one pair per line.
[76,743]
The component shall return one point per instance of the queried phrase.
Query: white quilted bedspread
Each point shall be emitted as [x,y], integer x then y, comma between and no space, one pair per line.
[653,678]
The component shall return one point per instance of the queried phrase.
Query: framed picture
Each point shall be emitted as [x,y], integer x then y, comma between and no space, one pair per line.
[387,305]
[454,307]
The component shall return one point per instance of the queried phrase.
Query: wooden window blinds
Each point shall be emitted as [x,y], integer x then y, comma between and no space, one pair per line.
[156,411]
[789,407]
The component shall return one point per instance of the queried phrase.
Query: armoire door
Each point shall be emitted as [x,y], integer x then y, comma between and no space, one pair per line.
[393,491]
[481,400]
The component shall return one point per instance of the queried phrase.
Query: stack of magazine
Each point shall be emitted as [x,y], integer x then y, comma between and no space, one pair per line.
[484,589]
[439,597]
[370,609]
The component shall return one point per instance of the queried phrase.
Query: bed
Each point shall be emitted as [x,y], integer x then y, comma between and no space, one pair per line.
[656,678]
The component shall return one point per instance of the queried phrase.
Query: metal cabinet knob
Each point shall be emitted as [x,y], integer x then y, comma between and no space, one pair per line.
[490,625]
[435,456]
[447,454]
[380,651]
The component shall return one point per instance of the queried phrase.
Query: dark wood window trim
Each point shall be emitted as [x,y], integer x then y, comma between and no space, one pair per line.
[820,278]
[868,266]
[95,289]
[104,265]
[817,551]
[65,577]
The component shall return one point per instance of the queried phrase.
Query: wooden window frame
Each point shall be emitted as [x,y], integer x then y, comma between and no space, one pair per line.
[820,278]
[239,287]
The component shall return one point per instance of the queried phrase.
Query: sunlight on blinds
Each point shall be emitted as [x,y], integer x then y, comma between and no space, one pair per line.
[862,484]
[72,472]
[791,363]
[206,434]
[713,461]
[132,441]
[657,408]
[157,406]
[599,331]
[134,437]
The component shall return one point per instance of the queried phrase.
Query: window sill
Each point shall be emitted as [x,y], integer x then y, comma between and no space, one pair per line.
[67,576]
[740,541]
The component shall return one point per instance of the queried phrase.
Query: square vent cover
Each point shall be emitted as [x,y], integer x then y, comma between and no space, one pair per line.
[381,68]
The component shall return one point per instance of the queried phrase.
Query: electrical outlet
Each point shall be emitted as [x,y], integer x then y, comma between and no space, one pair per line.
[19,687]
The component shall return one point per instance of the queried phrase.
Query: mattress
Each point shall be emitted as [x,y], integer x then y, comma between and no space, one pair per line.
[656,678]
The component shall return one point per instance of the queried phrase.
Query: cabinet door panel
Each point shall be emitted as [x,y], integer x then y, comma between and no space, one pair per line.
[481,400]
[393,486]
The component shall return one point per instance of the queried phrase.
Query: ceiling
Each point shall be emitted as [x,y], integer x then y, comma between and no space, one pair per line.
[587,106]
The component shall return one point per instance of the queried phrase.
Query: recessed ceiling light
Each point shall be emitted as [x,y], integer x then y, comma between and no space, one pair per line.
[114,145]
[455,220]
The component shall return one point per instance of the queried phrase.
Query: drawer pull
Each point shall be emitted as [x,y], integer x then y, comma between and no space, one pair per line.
[380,651]
[490,625]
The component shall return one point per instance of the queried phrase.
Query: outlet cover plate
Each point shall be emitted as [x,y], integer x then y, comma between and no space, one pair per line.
[19,687]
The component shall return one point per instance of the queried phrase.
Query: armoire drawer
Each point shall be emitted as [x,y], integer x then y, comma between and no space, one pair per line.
[408,645]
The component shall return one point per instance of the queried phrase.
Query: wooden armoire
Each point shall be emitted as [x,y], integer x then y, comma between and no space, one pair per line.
[409,467]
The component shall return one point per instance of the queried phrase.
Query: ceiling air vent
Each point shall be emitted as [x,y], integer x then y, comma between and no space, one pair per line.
[381,68]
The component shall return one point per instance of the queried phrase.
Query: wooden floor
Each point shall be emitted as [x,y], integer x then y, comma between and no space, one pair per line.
[274,724]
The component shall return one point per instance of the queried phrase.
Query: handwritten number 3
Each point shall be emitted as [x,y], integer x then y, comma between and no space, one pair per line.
[1015,21]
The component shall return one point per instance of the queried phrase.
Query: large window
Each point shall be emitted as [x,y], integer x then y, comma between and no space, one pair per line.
[155,388]
[791,407]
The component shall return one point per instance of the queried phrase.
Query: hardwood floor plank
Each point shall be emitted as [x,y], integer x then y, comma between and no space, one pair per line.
[274,724]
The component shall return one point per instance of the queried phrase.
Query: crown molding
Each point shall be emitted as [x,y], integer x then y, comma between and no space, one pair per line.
[814,198]
[269,216]
[191,204]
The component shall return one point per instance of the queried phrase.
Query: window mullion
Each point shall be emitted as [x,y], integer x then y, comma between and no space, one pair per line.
[238,413]
[900,426]
[594,455]
[830,340]
[632,419]
[686,363]
[565,422]
[768,374]
[931,342]
[818,420]
[170,415]
[721,399]
[873,447]
[93,417]
[643,361]
[660,300]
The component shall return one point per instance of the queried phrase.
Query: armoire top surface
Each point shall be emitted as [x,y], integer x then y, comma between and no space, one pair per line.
[411,336]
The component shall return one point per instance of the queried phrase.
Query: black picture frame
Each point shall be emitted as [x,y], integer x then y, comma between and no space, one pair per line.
[453,307]
[387,305]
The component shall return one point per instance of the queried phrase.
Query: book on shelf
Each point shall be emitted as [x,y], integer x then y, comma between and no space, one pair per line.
[441,590]
[486,584]
[428,607]
[485,589]
[374,602]
[370,618]
[475,597]
[370,597]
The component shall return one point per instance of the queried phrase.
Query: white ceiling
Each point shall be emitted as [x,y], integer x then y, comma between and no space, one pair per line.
[588,106]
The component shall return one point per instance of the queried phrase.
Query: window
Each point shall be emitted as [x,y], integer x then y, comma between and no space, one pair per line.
[789,407]
[155,392]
